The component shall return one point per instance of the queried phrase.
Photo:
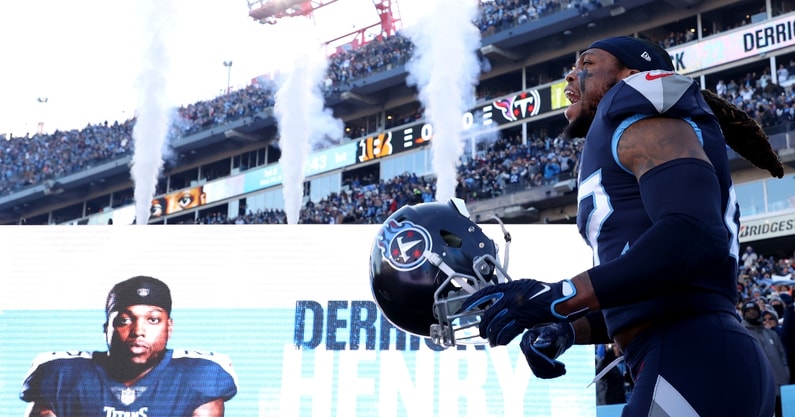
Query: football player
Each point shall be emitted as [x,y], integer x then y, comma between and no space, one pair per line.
[138,375]
[658,209]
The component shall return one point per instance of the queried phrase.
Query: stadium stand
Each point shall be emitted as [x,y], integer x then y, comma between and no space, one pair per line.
[70,176]
[81,176]
[67,177]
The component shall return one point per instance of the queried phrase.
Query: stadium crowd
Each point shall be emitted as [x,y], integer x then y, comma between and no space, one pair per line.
[504,167]
[32,159]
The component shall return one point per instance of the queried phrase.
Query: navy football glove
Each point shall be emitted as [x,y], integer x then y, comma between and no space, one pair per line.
[543,345]
[514,306]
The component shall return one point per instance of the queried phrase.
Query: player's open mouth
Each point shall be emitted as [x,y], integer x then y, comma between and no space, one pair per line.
[571,96]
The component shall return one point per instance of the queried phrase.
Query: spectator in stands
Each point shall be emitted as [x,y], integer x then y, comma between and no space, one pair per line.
[611,388]
[771,345]
[732,89]
[782,74]
[749,257]
[746,93]
[551,171]
[721,89]
[783,267]
[764,79]
[765,116]
[568,161]
[776,303]
[514,179]
[535,172]
[770,321]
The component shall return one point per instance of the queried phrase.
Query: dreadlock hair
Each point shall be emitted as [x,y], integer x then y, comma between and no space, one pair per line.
[744,135]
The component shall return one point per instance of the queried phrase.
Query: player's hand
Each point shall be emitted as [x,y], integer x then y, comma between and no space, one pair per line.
[514,306]
[542,345]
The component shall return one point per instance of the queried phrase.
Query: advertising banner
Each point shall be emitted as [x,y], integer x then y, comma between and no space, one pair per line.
[501,111]
[746,42]
[291,306]
[767,227]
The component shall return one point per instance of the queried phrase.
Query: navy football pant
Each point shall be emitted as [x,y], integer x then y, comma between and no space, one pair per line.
[706,366]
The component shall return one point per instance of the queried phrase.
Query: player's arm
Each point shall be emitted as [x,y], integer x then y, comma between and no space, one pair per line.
[213,408]
[653,141]
[591,329]
[43,380]
[40,410]
[681,194]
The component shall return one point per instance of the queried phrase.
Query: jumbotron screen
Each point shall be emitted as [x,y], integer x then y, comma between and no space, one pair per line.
[292,307]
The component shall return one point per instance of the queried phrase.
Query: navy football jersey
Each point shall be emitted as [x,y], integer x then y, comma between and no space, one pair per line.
[75,384]
[611,215]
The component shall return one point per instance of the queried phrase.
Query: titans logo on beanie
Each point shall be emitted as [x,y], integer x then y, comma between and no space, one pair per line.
[138,290]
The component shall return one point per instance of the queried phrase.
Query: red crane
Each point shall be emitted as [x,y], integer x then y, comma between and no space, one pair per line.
[270,11]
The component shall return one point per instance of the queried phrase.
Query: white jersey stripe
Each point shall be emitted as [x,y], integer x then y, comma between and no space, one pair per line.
[667,401]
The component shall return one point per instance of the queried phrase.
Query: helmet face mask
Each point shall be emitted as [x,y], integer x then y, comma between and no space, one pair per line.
[461,327]
[425,261]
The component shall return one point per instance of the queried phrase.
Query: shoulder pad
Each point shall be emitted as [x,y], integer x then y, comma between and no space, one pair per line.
[51,356]
[43,358]
[222,387]
[662,89]
[221,359]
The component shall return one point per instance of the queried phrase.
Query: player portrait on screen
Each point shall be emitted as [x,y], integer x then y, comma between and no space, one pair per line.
[158,207]
[185,199]
[178,201]
[138,375]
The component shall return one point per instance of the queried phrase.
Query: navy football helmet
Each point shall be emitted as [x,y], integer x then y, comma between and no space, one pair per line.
[425,261]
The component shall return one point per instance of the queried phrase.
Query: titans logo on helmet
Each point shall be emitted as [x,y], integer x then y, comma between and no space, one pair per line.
[403,243]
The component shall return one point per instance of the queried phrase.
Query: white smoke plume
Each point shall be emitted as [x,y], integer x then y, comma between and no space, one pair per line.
[155,105]
[478,135]
[301,116]
[445,69]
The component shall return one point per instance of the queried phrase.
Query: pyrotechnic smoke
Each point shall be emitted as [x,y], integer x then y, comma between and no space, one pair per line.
[301,116]
[478,134]
[155,106]
[445,70]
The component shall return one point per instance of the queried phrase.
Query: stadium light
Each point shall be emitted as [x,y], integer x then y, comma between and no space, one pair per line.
[40,125]
[228,65]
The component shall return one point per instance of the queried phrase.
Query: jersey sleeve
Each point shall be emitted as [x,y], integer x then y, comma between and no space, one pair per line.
[687,240]
[48,373]
[215,378]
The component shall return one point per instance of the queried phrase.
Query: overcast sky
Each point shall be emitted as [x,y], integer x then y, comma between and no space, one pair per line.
[83,57]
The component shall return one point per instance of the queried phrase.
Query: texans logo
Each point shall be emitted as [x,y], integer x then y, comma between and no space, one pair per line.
[403,244]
